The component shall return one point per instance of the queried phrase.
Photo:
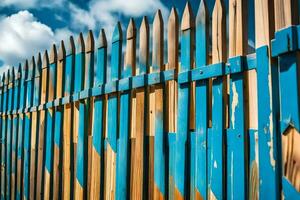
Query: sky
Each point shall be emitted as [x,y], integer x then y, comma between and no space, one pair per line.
[31,26]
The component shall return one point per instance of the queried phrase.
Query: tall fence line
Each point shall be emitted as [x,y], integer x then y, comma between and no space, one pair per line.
[204,125]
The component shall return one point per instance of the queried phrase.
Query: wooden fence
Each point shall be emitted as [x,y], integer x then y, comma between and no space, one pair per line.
[202,125]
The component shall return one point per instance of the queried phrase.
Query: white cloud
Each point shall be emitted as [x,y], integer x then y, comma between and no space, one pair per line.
[25,4]
[22,36]
[106,13]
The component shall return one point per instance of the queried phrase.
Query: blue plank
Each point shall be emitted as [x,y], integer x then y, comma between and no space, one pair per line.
[20,131]
[216,142]
[236,165]
[99,115]
[267,90]
[27,130]
[182,142]
[201,95]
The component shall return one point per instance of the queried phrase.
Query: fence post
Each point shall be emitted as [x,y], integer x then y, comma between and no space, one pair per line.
[97,160]
[68,85]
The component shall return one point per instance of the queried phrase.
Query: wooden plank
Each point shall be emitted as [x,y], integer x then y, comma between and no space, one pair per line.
[137,128]
[97,161]
[67,119]
[84,127]
[40,131]
[27,131]
[41,80]
[123,163]
[171,92]
[267,94]
[156,105]
[110,141]
[287,14]
[58,122]
[216,136]
[78,85]
[14,134]
[142,111]
[183,126]
[49,67]
[9,133]
[3,135]
[90,60]
[201,99]
[20,139]
[237,146]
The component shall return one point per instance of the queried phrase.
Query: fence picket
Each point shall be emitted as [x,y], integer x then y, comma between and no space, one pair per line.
[286,14]
[216,134]
[97,170]
[201,95]
[171,95]
[67,167]
[20,139]
[3,135]
[183,133]
[75,126]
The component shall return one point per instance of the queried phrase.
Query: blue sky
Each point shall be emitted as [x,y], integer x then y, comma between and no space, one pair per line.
[30,26]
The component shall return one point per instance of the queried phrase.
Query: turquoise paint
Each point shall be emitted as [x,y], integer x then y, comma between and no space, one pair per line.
[171,159]
[268,104]
[3,137]
[20,127]
[236,144]
[182,142]
[216,142]
[201,95]
[27,131]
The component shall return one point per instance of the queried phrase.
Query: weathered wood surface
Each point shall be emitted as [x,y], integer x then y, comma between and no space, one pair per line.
[186,122]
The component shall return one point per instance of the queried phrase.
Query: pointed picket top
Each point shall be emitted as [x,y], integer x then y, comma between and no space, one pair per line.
[5,77]
[158,42]
[38,66]
[80,44]
[90,42]
[31,68]
[19,71]
[117,34]
[202,14]
[187,21]
[173,18]
[131,29]
[144,47]
[218,33]
[62,51]
[173,33]
[45,60]
[102,42]
[11,74]
[158,21]
[53,54]
[70,46]
[25,70]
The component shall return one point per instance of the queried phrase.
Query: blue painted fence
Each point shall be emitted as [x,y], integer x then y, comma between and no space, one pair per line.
[70,125]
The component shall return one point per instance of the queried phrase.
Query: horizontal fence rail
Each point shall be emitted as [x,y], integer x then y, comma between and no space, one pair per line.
[214,121]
